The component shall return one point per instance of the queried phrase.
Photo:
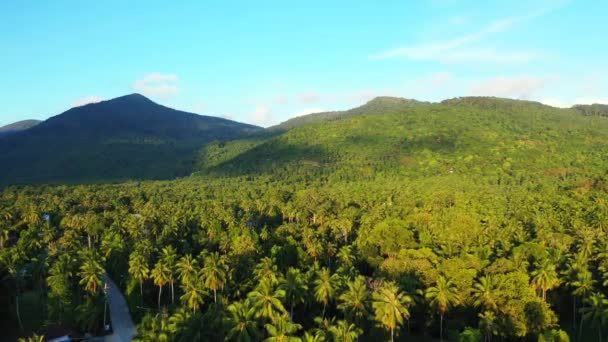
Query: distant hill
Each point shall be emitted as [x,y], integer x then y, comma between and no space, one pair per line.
[18,127]
[129,137]
[469,136]
[594,109]
[379,105]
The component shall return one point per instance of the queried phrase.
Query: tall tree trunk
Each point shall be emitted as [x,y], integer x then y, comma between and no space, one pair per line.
[291,311]
[574,312]
[141,291]
[392,334]
[324,305]
[214,295]
[160,291]
[89,240]
[172,294]
[18,312]
[441,328]
[580,329]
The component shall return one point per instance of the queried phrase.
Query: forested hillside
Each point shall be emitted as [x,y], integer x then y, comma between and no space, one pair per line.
[379,105]
[474,219]
[129,137]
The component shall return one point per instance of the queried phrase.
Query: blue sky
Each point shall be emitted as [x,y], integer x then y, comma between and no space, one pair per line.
[263,62]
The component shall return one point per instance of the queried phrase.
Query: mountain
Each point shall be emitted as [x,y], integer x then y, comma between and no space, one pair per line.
[471,136]
[18,127]
[378,105]
[129,137]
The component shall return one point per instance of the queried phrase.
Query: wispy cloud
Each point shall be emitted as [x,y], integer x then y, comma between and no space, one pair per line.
[157,84]
[309,97]
[280,99]
[560,103]
[461,49]
[86,100]
[521,87]
[261,116]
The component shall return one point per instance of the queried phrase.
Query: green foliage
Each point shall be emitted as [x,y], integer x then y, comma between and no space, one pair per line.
[481,213]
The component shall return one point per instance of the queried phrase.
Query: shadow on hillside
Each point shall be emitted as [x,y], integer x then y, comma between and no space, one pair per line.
[270,157]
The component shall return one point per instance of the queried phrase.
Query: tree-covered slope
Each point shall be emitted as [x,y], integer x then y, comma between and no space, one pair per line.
[379,105]
[17,127]
[129,137]
[467,136]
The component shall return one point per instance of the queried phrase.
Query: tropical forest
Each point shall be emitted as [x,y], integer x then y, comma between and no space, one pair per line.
[473,219]
[303,171]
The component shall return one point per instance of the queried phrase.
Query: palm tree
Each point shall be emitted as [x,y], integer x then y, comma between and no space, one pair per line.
[596,312]
[267,301]
[283,330]
[161,275]
[266,269]
[343,331]
[355,300]
[90,274]
[487,323]
[316,337]
[442,296]
[572,274]
[545,277]
[154,328]
[346,256]
[390,307]
[12,260]
[138,268]
[193,295]
[242,323]
[58,281]
[583,286]
[187,267]
[484,293]
[325,287]
[34,338]
[295,288]
[214,273]
[169,258]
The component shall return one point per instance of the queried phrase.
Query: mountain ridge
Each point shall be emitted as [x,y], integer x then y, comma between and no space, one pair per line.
[479,133]
[129,137]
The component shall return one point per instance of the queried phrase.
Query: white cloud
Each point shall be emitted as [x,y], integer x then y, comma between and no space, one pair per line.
[86,100]
[459,49]
[591,100]
[438,79]
[555,102]
[261,116]
[561,103]
[280,99]
[520,87]
[307,111]
[157,84]
[309,97]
